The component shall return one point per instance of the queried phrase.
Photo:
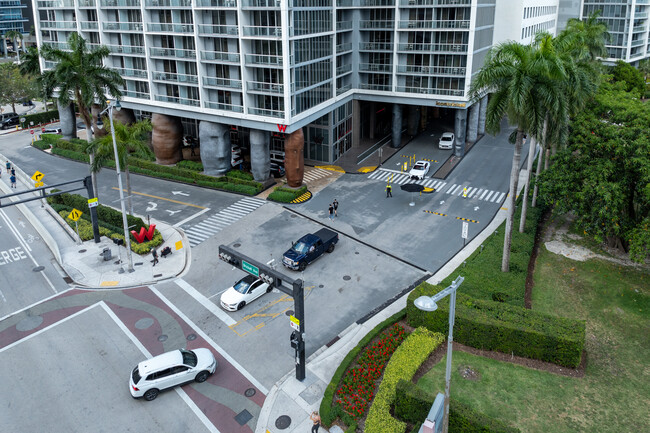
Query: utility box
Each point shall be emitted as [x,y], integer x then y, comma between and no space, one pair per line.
[106,254]
[433,423]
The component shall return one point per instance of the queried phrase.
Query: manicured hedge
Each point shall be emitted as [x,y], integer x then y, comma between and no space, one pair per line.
[44,117]
[504,328]
[413,404]
[403,364]
[71,154]
[286,195]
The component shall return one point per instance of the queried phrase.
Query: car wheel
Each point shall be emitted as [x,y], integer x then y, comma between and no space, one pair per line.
[331,248]
[241,305]
[302,266]
[268,289]
[202,376]
[151,394]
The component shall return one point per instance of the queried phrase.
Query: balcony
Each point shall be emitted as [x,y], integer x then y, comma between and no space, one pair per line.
[343,25]
[59,25]
[374,67]
[640,15]
[134,94]
[177,100]
[216,29]
[222,82]
[436,24]
[638,43]
[343,48]
[131,73]
[364,3]
[380,87]
[224,106]
[266,112]
[343,69]
[170,28]
[263,31]
[376,24]
[375,46]
[89,25]
[435,48]
[178,78]
[126,49]
[431,70]
[343,89]
[87,3]
[220,56]
[261,86]
[266,60]
[216,3]
[57,45]
[169,3]
[266,4]
[120,3]
[172,52]
[129,27]
[435,2]
[55,4]
[427,91]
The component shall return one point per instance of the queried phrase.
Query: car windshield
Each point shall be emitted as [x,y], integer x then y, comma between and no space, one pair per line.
[300,247]
[136,375]
[446,138]
[419,166]
[189,358]
[242,286]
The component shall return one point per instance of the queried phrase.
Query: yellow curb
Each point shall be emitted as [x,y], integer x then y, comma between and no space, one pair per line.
[331,168]
[428,190]
[109,283]
[303,198]
[367,169]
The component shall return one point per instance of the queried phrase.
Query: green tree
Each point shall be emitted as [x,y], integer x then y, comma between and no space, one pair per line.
[14,35]
[79,75]
[526,84]
[631,76]
[14,86]
[586,38]
[129,140]
[644,68]
[603,176]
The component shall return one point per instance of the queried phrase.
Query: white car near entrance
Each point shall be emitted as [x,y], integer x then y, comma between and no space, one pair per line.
[243,292]
[447,141]
[420,170]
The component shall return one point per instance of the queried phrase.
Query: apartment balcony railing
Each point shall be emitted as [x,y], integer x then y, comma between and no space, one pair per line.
[267,60]
[639,29]
[89,25]
[261,86]
[120,3]
[223,106]
[344,25]
[431,70]
[642,2]
[57,45]
[343,89]
[58,4]
[216,3]
[222,82]
[640,15]
[62,25]
[134,94]
[435,2]
[132,73]
[342,48]
[220,56]
[381,87]
[217,29]
[275,32]
[266,112]
[132,27]
[374,67]
[170,28]
[436,48]
[435,24]
[87,3]
[179,78]
[172,52]
[377,24]
[375,46]
[638,43]
[364,3]
[177,100]
[125,49]
[427,91]
[272,4]
[344,69]
[169,3]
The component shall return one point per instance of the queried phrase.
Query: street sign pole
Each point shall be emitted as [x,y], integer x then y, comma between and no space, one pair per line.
[88,183]
[299,303]
[76,226]
[464,231]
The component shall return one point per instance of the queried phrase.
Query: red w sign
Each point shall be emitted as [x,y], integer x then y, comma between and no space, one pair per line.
[282,128]
[148,234]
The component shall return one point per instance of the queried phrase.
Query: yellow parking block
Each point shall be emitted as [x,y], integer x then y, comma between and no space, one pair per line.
[331,168]
[367,169]
[109,283]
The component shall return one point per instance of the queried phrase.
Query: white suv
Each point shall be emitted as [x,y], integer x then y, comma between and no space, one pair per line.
[446,141]
[164,371]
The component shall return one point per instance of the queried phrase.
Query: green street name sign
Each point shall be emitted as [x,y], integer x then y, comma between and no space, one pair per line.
[247,267]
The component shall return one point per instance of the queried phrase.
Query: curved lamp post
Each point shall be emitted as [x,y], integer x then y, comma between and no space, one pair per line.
[428,303]
[127,238]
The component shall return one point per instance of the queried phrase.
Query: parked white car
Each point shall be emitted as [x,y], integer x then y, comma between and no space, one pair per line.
[243,292]
[447,141]
[420,169]
[164,371]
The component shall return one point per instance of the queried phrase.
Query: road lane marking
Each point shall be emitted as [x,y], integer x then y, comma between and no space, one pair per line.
[191,217]
[203,300]
[163,198]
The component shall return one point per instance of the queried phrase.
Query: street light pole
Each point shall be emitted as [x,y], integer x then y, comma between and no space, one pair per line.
[127,237]
[428,303]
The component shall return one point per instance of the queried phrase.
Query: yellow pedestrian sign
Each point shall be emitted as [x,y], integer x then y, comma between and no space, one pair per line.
[294,322]
[75,215]
[39,184]
[93,202]
[37,176]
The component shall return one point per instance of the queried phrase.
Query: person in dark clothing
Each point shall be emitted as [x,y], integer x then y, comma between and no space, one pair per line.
[389,192]
[13,171]
[154,253]
[331,210]
[13,181]
[315,418]
[336,206]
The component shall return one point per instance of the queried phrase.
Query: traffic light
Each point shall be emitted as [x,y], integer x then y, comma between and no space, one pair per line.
[228,259]
[270,280]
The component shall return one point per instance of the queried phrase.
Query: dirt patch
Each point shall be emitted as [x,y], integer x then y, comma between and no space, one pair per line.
[467,372]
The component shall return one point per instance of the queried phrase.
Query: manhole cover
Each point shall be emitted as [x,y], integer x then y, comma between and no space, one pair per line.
[38,268]
[243,417]
[289,312]
[356,252]
[82,251]
[249,392]
[236,245]
[138,264]
[347,277]
[162,338]
[29,323]
[293,216]
[144,323]
[191,337]
[320,286]
[283,422]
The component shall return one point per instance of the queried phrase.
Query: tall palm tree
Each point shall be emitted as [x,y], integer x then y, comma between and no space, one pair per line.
[80,76]
[525,86]
[129,139]
[587,37]
[14,35]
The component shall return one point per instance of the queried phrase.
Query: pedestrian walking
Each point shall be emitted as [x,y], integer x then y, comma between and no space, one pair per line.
[8,165]
[465,192]
[154,253]
[389,190]
[331,209]
[13,181]
[336,206]
[13,171]
[315,418]
[0,171]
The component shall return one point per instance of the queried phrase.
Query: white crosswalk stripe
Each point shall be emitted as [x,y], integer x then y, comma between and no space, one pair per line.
[217,222]
[316,173]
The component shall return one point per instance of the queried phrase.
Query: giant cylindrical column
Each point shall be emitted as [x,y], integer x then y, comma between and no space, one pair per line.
[472,125]
[294,158]
[459,130]
[397,126]
[215,148]
[260,154]
[482,114]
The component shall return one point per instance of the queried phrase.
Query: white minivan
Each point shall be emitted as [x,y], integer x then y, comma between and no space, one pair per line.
[173,368]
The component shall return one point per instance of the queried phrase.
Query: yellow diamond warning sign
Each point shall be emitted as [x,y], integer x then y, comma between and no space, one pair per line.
[38,176]
[75,215]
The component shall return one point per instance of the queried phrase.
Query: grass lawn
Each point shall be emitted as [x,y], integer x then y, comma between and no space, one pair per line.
[614,395]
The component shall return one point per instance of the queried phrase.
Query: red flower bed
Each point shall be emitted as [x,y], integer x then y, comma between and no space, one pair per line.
[358,384]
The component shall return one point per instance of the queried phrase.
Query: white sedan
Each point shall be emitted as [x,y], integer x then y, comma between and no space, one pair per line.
[420,169]
[446,141]
[243,292]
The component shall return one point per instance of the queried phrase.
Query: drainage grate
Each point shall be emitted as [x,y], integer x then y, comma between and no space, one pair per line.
[283,422]
[162,338]
[236,245]
[289,313]
[243,417]
[347,277]
[191,337]
[38,268]
[82,251]
[249,392]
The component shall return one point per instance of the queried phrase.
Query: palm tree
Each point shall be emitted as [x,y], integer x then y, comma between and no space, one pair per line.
[525,85]
[14,35]
[644,68]
[80,76]
[587,37]
[129,139]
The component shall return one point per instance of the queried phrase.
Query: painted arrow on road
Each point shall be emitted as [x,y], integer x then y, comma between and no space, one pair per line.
[152,207]
[180,193]
[172,212]
[476,208]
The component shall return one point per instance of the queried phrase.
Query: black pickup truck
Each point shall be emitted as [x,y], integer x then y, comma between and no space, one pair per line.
[308,248]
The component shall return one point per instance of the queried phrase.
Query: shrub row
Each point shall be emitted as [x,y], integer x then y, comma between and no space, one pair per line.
[403,364]
[413,404]
[329,410]
[44,117]
[504,328]
[71,154]
[286,195]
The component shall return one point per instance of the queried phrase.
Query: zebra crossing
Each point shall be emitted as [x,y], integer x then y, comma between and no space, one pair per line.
[440,186]
[217,222]
[315,173]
